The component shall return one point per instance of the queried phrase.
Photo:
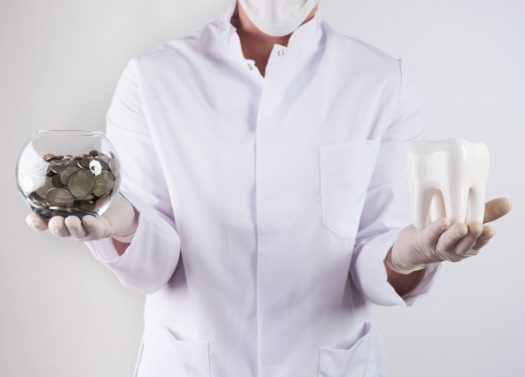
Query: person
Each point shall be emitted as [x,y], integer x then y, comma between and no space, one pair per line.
[263,195]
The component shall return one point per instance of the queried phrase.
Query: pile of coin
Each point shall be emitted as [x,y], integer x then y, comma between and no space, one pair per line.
[74,185]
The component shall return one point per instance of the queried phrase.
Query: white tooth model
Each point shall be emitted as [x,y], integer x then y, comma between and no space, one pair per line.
[447,179]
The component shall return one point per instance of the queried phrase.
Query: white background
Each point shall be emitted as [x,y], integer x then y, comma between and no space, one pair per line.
[63,314]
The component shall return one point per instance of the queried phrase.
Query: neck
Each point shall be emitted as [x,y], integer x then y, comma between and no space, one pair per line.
[246,28]
[255,44]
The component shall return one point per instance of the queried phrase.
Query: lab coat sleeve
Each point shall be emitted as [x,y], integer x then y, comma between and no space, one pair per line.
[151,257]
[387,204]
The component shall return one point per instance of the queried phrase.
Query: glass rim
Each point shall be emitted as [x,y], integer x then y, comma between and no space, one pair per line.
[72,131]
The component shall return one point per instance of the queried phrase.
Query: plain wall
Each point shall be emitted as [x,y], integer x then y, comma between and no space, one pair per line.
[63,314]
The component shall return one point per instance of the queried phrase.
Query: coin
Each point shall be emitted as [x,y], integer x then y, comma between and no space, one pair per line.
[58,168]
[102,163]
[103,183]
[55,180]
[67,172]
[59,197]
[85,206]
[95,167]
[81,184]
[42,191]
[84,163]
[48,156]
[36,201]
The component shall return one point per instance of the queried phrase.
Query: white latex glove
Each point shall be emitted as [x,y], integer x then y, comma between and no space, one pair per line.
[118,221]
[440,241]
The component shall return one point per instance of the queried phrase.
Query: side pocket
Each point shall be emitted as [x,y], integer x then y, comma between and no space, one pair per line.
[345,172]
[348,362]
[164,355]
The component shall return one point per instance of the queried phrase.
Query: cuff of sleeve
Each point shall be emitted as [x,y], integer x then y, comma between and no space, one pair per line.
[150,258]
[104,251]
[370,274]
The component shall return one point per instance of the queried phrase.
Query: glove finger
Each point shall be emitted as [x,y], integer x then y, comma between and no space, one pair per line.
[431,233]
[488,233]
[467,243]
[75,227]
[36,222]
[447,242]
[57,227]
[95,227]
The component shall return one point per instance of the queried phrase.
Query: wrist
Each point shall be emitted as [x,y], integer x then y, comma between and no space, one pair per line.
[126,231]
[394,263]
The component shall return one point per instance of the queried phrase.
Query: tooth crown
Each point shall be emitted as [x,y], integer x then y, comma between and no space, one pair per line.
[447,179]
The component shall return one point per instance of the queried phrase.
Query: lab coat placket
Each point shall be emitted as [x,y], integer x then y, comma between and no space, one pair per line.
[273,339]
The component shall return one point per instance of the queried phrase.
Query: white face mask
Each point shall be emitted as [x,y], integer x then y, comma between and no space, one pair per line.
[278,17]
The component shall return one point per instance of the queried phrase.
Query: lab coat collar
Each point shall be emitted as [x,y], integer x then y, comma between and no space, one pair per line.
[304,38]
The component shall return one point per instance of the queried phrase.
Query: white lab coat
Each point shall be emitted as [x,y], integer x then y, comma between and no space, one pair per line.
[267,204]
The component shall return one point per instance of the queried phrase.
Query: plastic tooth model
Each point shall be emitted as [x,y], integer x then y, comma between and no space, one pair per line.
[447,179]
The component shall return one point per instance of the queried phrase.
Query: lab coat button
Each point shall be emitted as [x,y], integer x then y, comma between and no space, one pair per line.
[280,52]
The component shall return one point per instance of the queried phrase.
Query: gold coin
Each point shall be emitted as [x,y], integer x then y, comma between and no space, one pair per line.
[48,156]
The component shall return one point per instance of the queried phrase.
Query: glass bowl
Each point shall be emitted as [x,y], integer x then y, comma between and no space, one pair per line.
[68,172]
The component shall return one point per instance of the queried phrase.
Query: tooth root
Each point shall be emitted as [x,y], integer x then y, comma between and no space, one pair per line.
[457,203]
[476,205]
[422,202]
[438,206]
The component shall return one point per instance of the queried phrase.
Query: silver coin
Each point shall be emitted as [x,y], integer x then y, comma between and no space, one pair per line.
[55,180]
[42,191]
[59,197]
[103,183]
[36,201]
[95,167]
[81,184]
[66,173]
[102,163]
[84,162]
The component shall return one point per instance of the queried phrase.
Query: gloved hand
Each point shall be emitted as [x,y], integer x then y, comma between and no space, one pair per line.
[414,249]
[119,221]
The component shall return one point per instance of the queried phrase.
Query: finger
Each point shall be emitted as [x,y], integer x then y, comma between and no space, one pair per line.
[57,227]
[431,233]
[448,240]
[496,208]
[486,236]
[75,227]
[36,222]
[464,245]
[95,227]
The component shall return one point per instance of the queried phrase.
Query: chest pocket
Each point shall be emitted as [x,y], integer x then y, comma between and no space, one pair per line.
[345,172]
